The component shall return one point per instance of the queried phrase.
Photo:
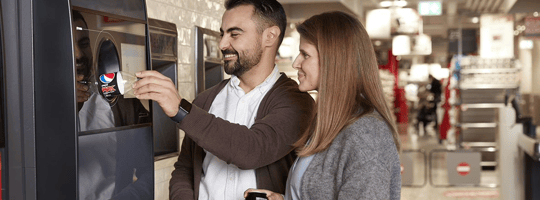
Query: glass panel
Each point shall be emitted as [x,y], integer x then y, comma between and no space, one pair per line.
[106,45]
[116,165]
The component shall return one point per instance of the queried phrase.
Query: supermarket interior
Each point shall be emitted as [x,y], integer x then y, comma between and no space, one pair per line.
[461,78]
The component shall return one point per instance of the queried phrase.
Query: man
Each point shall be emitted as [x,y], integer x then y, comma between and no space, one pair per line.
[238,133]
[435,88]
[83,57]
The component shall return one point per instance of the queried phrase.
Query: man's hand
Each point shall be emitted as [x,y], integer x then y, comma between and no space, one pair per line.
[82,89]
[269,194]
[157,87]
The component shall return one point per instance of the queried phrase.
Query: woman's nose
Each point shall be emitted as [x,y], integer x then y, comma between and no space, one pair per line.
[296,63]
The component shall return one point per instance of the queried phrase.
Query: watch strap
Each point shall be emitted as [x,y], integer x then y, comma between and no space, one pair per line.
[183,110]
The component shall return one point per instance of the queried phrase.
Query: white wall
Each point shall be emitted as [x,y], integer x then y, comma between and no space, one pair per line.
[186,14]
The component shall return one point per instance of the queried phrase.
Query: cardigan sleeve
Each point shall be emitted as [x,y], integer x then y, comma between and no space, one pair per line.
[281,117]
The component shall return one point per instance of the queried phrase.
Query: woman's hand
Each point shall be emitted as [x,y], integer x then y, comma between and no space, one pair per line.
[269,194]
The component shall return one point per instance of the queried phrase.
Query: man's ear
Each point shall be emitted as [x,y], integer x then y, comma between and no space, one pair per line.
[271,36]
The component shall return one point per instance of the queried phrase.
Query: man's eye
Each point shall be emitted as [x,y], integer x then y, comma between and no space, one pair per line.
[84,44]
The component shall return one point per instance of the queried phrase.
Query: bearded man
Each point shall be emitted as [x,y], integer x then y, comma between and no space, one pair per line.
[239,133]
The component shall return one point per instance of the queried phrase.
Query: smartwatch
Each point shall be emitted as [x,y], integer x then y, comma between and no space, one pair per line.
[183,110]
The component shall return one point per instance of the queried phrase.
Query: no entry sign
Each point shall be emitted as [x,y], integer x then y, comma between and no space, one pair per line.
[463,168]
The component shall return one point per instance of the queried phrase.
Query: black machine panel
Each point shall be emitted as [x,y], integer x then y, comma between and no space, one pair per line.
[135,9]
[163,45]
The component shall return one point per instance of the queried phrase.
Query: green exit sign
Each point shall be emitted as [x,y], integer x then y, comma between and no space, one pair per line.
[430,8]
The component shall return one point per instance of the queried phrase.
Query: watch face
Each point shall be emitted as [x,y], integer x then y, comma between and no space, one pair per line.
[184,104]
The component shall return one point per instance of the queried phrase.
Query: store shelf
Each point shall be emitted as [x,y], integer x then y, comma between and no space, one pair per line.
[487,86]
[479,144]
[488,163]
[489,70]
[478,125]
[530,146]
[482,105]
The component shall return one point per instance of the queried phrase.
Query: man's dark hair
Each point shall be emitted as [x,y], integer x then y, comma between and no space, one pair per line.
[78,16]
[268,12]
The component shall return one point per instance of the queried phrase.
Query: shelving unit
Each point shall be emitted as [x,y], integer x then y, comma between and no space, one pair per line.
[482,86]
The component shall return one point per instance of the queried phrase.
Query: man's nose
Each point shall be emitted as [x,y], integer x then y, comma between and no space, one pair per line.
[77,53]
[224,43]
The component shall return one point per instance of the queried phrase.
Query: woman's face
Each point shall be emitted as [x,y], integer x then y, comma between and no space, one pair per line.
[307,64]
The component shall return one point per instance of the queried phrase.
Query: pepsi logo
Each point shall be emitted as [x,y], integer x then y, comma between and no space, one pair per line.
[106,78]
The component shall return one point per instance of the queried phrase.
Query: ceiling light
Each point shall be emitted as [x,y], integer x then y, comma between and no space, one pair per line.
[475,20]
[393,3]
[535,14]
[526,44]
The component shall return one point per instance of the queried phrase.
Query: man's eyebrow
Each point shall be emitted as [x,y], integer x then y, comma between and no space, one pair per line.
[235,28]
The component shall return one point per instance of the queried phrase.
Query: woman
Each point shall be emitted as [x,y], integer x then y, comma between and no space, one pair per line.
[351,148]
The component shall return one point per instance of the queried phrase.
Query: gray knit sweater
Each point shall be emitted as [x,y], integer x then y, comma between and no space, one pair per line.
[361,163]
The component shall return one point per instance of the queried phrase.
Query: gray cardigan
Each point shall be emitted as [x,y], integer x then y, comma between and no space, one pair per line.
[361,163]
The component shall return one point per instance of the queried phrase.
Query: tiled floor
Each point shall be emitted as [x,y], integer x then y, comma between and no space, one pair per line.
[438,187]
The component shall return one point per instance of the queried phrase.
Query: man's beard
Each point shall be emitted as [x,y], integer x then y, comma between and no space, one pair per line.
[85,67]
[244,62]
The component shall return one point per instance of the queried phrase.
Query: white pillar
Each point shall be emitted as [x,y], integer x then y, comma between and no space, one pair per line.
[525,60]
[535,68]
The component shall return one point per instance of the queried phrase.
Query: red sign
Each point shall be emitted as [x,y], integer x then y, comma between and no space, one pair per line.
[402,169]
[463,169]
[532,27]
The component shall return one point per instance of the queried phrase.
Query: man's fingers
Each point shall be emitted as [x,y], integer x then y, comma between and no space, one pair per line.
[82,99]
[153,80]
[152,88]
[82,87]
[151,73]
[79,77]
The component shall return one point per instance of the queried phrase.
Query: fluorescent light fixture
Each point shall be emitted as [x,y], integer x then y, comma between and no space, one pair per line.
[430,8]
[385,4]
[526,44]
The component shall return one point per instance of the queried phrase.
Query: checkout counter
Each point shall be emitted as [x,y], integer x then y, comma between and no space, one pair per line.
[519,155]
[529,143]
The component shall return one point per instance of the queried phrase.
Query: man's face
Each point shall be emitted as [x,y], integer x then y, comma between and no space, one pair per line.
[240,42]
[83,52]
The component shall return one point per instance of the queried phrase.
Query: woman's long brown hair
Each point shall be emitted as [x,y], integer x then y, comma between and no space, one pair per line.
[349,79]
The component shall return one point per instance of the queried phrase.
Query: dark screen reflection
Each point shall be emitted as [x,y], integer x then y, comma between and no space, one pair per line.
[94,111]
[112,163]
[116,165]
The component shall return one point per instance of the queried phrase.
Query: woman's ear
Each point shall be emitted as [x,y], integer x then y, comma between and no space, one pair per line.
[271,36]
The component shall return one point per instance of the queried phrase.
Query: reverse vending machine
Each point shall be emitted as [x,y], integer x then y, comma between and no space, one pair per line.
[65,136]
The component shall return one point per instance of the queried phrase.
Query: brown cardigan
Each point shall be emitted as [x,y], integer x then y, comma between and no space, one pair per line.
[266,146]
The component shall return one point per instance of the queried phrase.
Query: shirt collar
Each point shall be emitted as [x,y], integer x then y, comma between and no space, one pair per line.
[263,87]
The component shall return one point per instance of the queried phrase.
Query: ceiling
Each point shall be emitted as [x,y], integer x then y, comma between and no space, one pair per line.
[456,13]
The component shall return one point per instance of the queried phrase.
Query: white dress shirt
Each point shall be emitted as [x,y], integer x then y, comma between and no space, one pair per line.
[222,181]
